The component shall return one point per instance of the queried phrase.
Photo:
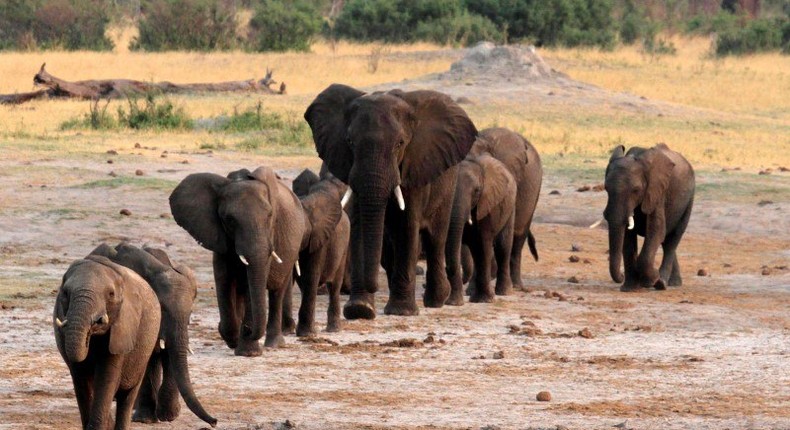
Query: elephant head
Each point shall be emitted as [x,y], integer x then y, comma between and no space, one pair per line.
[302,183]
[381,142]
[323,211]
[483,183]
[235,215]
[176,288]
[96,297]
[634,181]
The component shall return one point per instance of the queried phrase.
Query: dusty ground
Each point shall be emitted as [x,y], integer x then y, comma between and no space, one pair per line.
[713,354]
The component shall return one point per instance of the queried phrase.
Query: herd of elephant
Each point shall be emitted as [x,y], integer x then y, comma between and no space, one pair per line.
[405,175]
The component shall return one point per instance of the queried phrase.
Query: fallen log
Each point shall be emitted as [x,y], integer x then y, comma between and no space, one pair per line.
[120,88]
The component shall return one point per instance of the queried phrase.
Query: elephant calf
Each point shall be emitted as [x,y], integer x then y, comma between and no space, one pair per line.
[482,218]
[323,255]
[651,192]
[168,372]
[106,322]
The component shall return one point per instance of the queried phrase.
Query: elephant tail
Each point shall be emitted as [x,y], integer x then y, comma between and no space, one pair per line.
[532,247]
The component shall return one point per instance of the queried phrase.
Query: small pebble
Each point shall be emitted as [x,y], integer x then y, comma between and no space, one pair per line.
[586,333]
[112,173]
[703,272]
[766,271]
[109,161]
[112,152]
[137,145]
[554,193]
[164,215]
[573,280]
[163,156]
[499,355]
[185,162]
[576,247]
[574,259]
[544,396]
[139,172]
[126,212]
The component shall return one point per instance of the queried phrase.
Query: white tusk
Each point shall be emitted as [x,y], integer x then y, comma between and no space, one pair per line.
[596,223]
[277,257]
[399,196]
[243,260]
[161,344]
[346,198]
[631,222]
[470,220]
[60,323]
[190,351]
[105,319]
[298,270]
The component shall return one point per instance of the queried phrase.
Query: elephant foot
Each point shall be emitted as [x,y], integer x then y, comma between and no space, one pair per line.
[481,298]
[248,348]
[170,412]
[145,416]
[630,286]
[289,325]
[231,338]
[333,327]
[435,297]
[401,307]
[274,341]
[660,285]
[455,299]
[675,281]
[360,307]
[305,330]
[419,271]
[504,289]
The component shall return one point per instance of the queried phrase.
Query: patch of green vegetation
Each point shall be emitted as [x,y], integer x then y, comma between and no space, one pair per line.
[145,183]
[150,114]
[66,213]
[742,187]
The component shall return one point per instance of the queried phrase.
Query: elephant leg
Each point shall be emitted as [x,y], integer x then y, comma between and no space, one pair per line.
[145,409]
[467,264]
[308,284]
[107,377]
[517,245]
[289,325]
[437,286]
[655,234]
[402,281]
[124,405]
[674,278]
[503,246]
[482,252]
[454,266]
[274,333]
[361,302]
[82,378]
[631,281]
[346,287]
[169,405]
[247,347]
[226,288]
[671,243]
[333,323]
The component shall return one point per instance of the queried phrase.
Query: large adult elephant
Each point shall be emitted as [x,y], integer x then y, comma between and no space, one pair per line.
[523,161]
[398,152]
[651,193]
[254,225]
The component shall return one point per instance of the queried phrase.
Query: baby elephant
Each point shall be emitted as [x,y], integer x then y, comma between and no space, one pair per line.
[482,218]
[322,258]
[106,322]
[167,375]
[651,192]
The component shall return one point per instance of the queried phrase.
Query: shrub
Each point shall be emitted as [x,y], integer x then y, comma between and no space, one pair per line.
[758,35]
[200,25]
[463,29]
[153,115]
[284,25]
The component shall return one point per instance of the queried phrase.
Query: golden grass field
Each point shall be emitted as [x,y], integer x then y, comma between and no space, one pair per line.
[745,102]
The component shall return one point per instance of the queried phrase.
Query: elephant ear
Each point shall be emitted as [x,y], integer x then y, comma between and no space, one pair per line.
[104,250]
[194,204]
[327,119]
[442,135]
[323,210]
[160,255]
[302,183]
[498,184]
[142,262]
[658,173]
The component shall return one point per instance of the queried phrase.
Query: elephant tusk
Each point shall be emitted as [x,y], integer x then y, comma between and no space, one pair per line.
[631,222]
[399,196]
[346,198]
[298,270]
[190,351]
[161,344]
[60,323]
[243,260]
[105,319]
[277,258]
[470,221]
[596,223]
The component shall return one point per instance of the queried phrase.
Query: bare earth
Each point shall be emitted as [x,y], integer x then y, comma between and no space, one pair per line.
[713,354]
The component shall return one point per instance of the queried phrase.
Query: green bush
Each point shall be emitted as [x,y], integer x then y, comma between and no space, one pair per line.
[54,24]
[284,25]
[198,25]
[462,29]
[757,36]
[153,115]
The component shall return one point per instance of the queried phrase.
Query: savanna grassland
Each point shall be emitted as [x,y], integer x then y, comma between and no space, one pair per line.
[712,354]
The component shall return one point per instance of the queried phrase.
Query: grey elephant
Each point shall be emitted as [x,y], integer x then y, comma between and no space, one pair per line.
[651,193]
[323,256]
[254,225]
[482,218]
[167,374]
[106,322]
[522,160]
[398,153]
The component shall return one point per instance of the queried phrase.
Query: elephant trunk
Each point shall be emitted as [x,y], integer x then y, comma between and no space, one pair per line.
[371,213]
[616,237]
[257,279]
[77,331]
[177,354]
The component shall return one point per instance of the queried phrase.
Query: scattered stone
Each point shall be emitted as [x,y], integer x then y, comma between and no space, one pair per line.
[112,152]
[587,261]
[726,265]
[765,172]
[554,193]
[584,188]
[576,247]
[765,202]
[498,355]
[164,215]
[139,172]
[766,271]
[574,259]
[184,161]
[125,212]
[780,267]
[137,145]
[703,272]
[598,188]
[543,396]
[317,340]
[563,298]
[586,333]
[784,169]
[163,155]
[110,161]
[429,339]
[404,343]
[112,173]
[573,280]
[727,169]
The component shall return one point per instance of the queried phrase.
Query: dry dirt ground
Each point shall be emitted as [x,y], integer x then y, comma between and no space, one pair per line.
[713,354]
